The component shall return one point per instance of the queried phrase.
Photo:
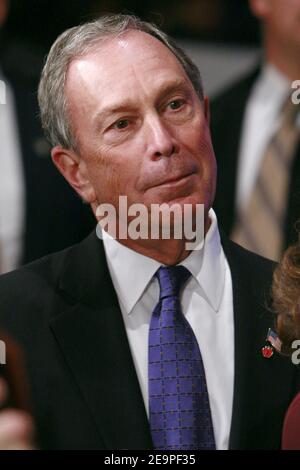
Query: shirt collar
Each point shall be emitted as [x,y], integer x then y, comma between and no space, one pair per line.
[207,265]
[129,268]
[272,86]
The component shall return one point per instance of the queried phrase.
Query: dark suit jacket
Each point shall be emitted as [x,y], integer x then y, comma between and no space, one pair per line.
[227,113]
[55,217]
[64,311]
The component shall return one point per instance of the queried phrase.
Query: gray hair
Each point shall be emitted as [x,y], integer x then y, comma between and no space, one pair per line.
[76,42]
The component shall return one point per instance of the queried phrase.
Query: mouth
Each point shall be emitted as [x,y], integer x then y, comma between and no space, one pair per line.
[174,180]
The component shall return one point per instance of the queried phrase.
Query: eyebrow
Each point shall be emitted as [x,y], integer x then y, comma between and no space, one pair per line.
[167,88]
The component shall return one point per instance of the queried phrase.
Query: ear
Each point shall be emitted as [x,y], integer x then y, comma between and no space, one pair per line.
[74,170]
[260,8]
[206,109]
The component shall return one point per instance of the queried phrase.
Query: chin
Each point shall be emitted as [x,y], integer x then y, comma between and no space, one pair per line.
[191,199]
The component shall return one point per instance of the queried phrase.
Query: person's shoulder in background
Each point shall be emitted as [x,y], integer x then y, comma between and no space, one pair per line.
[232,96]
[55,217]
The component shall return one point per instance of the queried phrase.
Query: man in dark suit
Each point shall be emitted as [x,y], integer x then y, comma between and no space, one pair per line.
[136,125]
[44,213]
[246,119]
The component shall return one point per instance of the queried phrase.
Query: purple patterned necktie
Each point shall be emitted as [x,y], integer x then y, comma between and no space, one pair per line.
[179,410]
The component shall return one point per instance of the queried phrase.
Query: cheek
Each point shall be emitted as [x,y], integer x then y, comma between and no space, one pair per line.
[198,143]
[126,161]
[114,173]
[203,151]
[104,175]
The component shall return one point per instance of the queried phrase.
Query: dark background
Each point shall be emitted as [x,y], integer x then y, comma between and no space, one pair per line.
[37,23]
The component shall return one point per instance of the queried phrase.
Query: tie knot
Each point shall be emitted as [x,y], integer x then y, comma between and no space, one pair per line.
[171,280]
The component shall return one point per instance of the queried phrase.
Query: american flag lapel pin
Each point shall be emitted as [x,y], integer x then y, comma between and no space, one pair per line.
[273,342]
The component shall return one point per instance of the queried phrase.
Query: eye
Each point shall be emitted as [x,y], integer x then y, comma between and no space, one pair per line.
[121,124]
[176,104]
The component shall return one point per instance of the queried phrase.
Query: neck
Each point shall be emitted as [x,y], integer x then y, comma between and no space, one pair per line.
[168,252]
[285,58]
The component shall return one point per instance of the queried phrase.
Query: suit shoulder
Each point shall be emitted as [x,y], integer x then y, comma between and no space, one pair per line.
[32,285]
[252,270]
[242,84]
[253,261]
[233,94]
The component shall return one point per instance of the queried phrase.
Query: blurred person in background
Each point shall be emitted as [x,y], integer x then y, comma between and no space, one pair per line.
[286,296]
[16,427]
[38,211]
[255,129]
[286,303]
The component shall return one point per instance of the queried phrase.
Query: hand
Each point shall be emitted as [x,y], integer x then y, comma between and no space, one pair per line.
[16,426]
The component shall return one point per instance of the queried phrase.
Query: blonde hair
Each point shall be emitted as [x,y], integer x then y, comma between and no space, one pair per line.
[286,296]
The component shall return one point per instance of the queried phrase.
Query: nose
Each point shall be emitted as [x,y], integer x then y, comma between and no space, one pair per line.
[161,141]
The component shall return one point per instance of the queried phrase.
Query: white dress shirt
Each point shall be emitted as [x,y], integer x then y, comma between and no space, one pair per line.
[11,186]
[206,303]
[261,121]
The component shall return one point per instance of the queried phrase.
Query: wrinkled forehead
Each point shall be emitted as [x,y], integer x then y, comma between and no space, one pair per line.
[122,57]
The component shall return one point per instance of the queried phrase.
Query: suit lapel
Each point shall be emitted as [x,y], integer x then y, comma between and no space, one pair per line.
[93,340]
[247,345]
